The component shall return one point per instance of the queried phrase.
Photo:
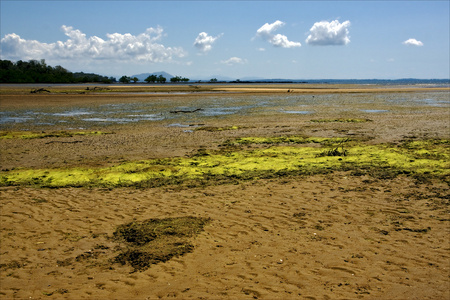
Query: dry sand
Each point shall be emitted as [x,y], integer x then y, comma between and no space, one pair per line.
[331,236]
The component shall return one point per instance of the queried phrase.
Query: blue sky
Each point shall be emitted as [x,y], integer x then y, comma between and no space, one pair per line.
[237,39]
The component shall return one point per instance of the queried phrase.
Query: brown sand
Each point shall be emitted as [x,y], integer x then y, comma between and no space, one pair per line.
[319,237]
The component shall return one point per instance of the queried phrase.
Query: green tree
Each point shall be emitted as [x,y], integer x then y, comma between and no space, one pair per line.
[125,79]
[37,71]
[179,79]
[135,79]
[161,79]
[175,79]
[213,80]
[151,78]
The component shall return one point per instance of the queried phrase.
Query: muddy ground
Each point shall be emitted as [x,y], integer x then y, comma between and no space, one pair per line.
[324,236]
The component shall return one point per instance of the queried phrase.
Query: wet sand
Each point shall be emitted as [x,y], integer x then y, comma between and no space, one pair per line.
[331,236]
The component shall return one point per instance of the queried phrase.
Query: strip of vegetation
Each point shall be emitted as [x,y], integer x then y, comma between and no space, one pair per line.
[213,128]
[429,158]
[341,120]
[41,135]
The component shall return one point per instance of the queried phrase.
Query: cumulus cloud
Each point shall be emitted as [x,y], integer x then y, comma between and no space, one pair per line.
[234,61]
[117,47]
[204,42]
[326,33]
[266,32]
[413,42]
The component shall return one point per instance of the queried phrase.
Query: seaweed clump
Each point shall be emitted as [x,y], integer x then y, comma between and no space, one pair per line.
[156,240]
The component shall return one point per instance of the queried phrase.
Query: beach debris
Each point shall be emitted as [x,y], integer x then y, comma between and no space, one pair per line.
[185,111]
[335,150]
[96,88]
[41,90]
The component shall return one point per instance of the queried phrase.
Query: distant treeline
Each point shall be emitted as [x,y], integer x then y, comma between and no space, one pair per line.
[35,71]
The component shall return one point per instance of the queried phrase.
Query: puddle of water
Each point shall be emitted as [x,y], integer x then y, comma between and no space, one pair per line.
[72,113]
[219,111]
[156,93]
[178,125]
[374,110]
[300,112]
[148,117]
[6,120]
[184,125]
[133,118]
[432,102]
[115,120]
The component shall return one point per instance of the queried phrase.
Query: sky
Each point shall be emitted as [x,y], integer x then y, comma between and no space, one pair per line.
[236,39]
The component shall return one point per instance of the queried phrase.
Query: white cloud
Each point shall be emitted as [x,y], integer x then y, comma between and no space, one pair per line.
[204,42]
[234,61]
[413,42]
[266,32]
[326,33]
[117,47]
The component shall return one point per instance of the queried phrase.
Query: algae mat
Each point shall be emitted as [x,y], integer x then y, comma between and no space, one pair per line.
[279,158]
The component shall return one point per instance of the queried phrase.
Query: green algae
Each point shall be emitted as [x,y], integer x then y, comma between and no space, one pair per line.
[284,140]
[429,157]
[156,240]
[213,128]
[41,135]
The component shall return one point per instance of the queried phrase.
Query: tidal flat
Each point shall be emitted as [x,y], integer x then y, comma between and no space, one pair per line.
[225,191]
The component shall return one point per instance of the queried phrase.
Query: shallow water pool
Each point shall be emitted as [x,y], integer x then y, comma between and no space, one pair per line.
[193,108]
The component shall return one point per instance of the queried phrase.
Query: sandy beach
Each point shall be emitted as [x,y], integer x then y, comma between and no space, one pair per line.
[342,231]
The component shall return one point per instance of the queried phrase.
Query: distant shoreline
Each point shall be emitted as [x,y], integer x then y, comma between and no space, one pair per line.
[383,82]
[174,89]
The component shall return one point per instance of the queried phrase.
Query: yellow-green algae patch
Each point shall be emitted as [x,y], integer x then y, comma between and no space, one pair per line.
[430,157]
[41,135]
